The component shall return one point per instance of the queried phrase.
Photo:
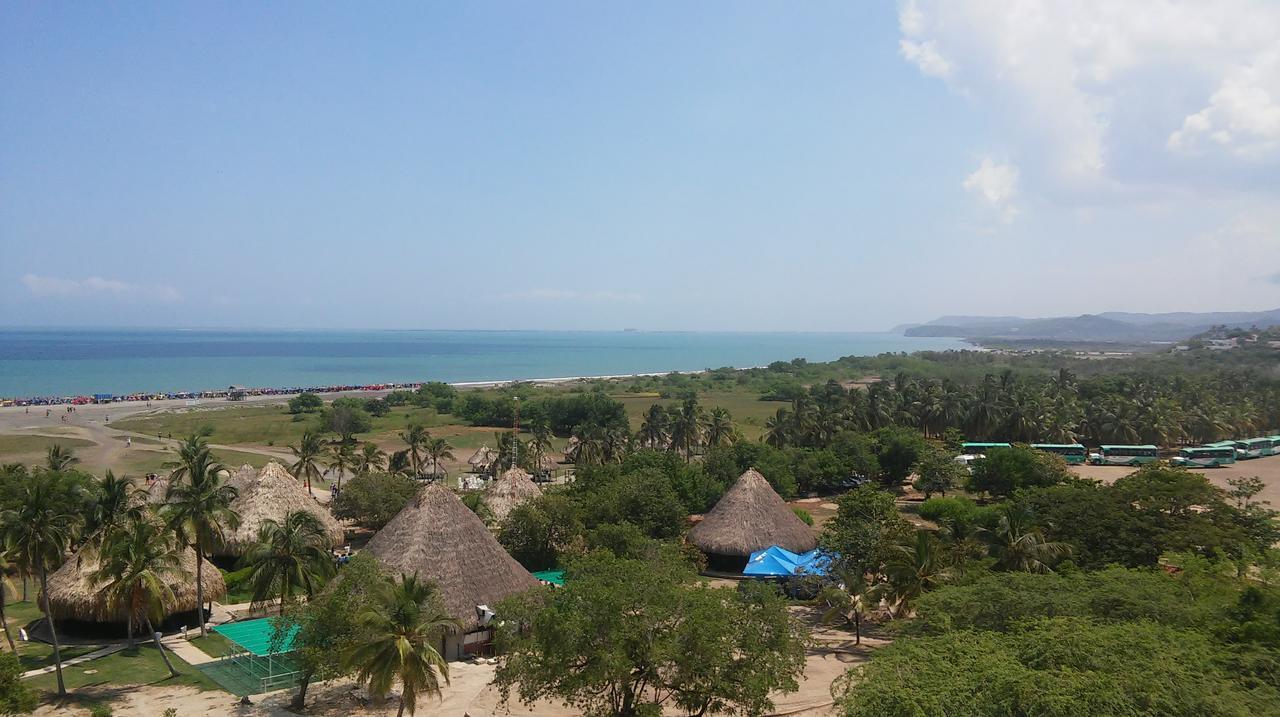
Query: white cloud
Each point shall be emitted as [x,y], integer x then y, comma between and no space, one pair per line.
[54,287]
[996,184]
[1101,95]
[572,295]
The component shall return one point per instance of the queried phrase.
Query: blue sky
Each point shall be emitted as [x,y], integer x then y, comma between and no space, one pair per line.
[822,166]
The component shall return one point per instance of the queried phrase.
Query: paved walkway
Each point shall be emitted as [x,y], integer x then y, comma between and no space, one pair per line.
[108,650]
[192,654]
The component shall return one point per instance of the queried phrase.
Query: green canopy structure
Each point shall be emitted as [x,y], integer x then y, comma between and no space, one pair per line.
[257,636]
[260,660]
[555,577]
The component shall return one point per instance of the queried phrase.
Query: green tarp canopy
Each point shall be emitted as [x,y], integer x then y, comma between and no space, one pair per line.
[555,577]
[256,636]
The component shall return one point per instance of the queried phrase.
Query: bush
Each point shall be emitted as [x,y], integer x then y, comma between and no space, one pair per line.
[803,515]
[16,697]
[372,500]
[305,403]
[958,511]
[100,710]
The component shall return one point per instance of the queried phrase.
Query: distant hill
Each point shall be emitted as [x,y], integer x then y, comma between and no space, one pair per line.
[1117,327]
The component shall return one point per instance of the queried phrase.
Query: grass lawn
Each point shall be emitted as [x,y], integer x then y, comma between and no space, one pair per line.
[749,412]
[32,655]
[213,645]
[141,665]
[27,450]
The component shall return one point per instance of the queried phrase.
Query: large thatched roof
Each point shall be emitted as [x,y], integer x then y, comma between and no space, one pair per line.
[74,595]
[751,517]
[509,490]
[483,458]
[157,492]
[441,540]
[272,494]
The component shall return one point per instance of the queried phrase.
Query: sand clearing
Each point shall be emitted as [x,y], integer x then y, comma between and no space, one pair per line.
[1268,469]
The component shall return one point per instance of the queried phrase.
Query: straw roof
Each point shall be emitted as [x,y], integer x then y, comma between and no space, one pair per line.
[483,458]
[546,463]
[73,594]
[272,494]
[159,488]
[434,468]
[751,517]
[509,490]
[441,540]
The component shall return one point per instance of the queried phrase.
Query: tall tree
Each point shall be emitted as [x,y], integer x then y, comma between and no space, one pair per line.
[6,588]
[39,530]
[1019,546]
[913,568]
[371,459]
[199,506]
[289,557]
[438,451]
[403,625]
[307,455]
[341,459]
[415,437]
[720,431]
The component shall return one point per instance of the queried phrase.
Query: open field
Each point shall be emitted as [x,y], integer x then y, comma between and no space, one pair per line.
[1268,469]
[141,665]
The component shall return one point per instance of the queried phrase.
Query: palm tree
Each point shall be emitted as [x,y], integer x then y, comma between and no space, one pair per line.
[1017,546]
[289,557]
[438,450]
[404,624]
[474,500]
[371,458]
[687,427]
[720,430]
[135,569]
[6,587]
[341,459]
[654,430]
[118,502]
[914,568]
[39,531]
[415,437]
[777,429]
[199,507]
[847,600]
[399,464]
[58,458]
[590,449]
[307,454]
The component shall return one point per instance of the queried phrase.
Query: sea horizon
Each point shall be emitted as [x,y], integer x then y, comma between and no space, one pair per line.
[58,361]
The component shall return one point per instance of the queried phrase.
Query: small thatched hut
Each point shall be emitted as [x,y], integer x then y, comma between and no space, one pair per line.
[75,596]
[441,540]
[546,465]
[749,517]
[482,460]
[272,494]
[512,488]
[434,469]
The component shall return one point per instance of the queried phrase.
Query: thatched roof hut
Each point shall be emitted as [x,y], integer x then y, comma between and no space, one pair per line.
[157,492]
[74,595]
[272,494]
[482,460]
[434,469]
[509,490]
[749,517]
[547,464]
[441,540]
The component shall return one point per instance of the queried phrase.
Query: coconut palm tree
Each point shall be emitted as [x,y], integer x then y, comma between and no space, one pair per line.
[687,424]
[415,437]
[1018,546]
[371,458]
[914,568]
[288,558]
[307,457]
[38,532]
[118,502]
[199,507]
[400,464]
[58,458]
[341,459]
[777,429]
[655,428]
[720,431]
[6,587]
[847,600]
[404,625]
[135,568]
[438,450]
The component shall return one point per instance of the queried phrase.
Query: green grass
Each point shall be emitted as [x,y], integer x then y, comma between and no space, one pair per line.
[141,665]
[33,655]
[213,645]
[20,443]
[748,411]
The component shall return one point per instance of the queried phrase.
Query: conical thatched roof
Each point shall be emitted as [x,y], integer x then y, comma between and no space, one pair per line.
[509,490]
[434,468]
[156,492]
[272,494]
[546,463]
[242,476]
[441,540]
[74,595]
[483,458]
[751,517]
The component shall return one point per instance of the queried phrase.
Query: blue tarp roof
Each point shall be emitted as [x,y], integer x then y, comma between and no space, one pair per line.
[776,562]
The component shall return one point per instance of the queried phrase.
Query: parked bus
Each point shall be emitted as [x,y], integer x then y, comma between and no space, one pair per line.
[1124,455]
[1205,457]
[1072,452]
[1253,448]
[978,449]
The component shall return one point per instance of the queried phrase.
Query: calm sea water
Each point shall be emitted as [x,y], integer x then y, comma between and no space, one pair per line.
[67,362]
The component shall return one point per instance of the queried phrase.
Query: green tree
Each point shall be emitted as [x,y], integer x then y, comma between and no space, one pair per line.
[415,436]
[289,557]
[846,599]
[16,696]
[628,636]
[307,456]
[937,472]
[198,506]
[897,450]
[346,417]
[1004,470]
[39,530]
[913,568]
[341,459]
[371,459]
[404,624]
[305,403]
[1017,545]
[438,451]
[6,589]
[59,458]
[865,526]
[373,499]
[538,533]
[135,568]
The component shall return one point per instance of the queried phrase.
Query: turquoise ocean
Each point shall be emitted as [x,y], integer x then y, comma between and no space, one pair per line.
[63,362]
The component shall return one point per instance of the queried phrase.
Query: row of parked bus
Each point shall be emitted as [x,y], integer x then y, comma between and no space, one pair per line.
[1212,455]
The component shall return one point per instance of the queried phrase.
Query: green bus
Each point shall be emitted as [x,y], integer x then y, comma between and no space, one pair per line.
[1254,448]
[978,449]
[1124,455]
[1072,452]
[1205,457]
